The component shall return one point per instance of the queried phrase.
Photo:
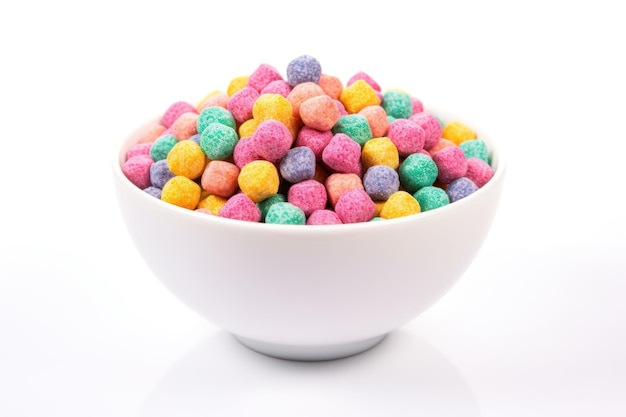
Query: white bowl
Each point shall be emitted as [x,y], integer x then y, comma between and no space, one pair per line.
[308,292]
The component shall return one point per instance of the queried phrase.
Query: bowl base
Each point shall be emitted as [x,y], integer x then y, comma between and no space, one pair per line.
[310,353]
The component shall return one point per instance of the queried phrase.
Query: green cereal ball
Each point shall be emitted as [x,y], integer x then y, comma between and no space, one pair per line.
[265,205]
[416,171]
[431,197]
[355,126]
[397,104]
[218,141]
[215,114]
[285,213]
[162,146]
[475,148]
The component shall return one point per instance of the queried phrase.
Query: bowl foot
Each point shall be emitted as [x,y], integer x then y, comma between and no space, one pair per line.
[310,353]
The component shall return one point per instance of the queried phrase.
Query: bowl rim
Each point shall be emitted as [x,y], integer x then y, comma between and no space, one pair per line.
[498,164]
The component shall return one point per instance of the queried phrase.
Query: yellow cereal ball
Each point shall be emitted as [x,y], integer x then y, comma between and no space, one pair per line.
[237,84]
[259,180]
[247,128]
[357,96]
[380,151]
[182,192]
[187,159]
[273,106]
[400,204]
[213,203]
[379,207]
[457,132]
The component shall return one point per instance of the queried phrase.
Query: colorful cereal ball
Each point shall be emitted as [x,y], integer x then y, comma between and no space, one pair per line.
[265,205]
[162,146]
[137,170]
[323,217]
[460,188]
[342,154]
[430,198]
[218,141]
[380,182]
[220,178]
[400,204]
[303,69]
[451,164]
[182,192]
[215,114]
[298,165]
[285,213]
[355,206]
[240,207]
[397,105]
[160,173]
[187,159]
[309,195]
[174,111]
[380,151]
[457,132]
[259,180]
[417,171]
[359,95]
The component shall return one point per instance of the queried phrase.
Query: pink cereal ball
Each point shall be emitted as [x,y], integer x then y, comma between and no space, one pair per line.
[417,105]
[220,178]
[479,171]
[308,195]
[175,110]
[323,217]
[262,76]
[272,140]
[431,126]
[363,76]
[355,206]
[337,183]
[138,149]
[151,134]
[341,108]
[245,152]
[240,104]
[331,85]
[281,87]
[451,164]
[185,126]
[342,154]
[319,112]
[137,170]
[241,207]
[409,137]
[315,140]
[377,119]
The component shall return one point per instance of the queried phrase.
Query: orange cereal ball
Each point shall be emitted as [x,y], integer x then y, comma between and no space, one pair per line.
[212,203]
[220,178]
[359,95]
[441,144]
[259,180]
[331,85]
[151,133]
[457,132]
[400,204]
[237,84]
[186,159]
[185,126]
[377,119]
[272,106]
[380,151]
[300,93]
[339,182]
[319,112]
[182,192]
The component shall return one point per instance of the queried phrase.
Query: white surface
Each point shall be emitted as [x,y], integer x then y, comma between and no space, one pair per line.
[534,328]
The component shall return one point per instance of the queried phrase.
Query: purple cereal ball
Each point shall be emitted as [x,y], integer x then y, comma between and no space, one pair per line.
[298,165]
[245,152]
[342,154]
[380,182]
[195,138]
[451,164]
[323,217]
[460,188]
[241,207]
[153,191]
[408,136]
[272,140]
[240,104]
[137,170]
[309,196]
[478,171]
[139,149]
[160,173]
[303,69]
[262,76]
[431,126]
[363,76]
[281,87]
[314,139]
[355,206]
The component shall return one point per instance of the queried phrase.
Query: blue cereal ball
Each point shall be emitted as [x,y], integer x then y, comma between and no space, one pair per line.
[162,146]
[265,205]
[285,213]
[475,148]
[416,171]
[460,188]
[153,191]
[195,138]
[380,182]
[303,69]
[298,165]
[431,197]
[160,173]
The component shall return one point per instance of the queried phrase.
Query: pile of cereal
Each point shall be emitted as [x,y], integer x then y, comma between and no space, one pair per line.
[306,149]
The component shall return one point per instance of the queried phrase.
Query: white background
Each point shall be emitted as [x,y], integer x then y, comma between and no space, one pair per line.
[534,328]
